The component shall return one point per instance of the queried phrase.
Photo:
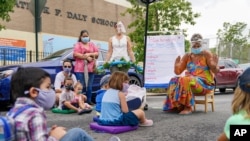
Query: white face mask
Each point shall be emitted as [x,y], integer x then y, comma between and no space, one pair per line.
[120,28]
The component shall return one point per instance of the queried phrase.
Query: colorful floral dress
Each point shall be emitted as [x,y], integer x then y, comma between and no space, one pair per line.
[198,79]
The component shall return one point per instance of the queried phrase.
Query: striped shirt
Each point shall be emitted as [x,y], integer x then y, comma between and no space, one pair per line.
[31,124]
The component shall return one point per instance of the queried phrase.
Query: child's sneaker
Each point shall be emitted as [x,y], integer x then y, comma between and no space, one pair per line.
[148,122]
[114,138]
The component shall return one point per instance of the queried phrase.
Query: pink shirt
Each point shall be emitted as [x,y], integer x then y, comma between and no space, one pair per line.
[79,63]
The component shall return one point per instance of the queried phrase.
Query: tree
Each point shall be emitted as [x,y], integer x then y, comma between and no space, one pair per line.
[232,42]
[6,6]
[163,15]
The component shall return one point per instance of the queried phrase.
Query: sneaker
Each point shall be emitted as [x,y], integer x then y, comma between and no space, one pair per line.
[148,122]
[114,138]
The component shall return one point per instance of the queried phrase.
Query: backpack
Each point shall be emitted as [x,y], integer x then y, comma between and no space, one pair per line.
[7,124]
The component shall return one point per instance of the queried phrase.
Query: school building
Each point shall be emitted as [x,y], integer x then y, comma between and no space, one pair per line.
[60,22]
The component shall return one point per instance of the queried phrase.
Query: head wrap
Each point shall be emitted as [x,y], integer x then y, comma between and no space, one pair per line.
[196,38]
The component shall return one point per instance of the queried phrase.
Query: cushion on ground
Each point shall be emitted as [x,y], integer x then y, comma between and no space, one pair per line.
[60,111]
[111,129]
[95,118]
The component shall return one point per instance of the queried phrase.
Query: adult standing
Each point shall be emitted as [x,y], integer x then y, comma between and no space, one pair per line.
[85,54]
[200,66]
[120,45]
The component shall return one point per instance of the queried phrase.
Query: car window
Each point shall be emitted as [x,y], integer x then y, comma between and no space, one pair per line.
[230,64]
[56,55]
[221,63]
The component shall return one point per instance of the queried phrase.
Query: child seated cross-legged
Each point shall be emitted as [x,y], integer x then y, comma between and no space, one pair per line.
[114,109]
[72,99]
[31,87]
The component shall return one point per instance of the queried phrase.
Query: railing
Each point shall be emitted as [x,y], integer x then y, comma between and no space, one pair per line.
[17,56]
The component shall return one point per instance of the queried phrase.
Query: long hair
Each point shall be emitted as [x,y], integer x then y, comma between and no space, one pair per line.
[241,101]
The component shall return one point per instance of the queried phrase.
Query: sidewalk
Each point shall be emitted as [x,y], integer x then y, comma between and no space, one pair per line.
[155,94]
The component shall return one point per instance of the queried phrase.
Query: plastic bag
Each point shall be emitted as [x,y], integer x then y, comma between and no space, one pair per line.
[137,91]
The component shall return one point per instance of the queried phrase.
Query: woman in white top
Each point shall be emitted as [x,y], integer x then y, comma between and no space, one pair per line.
[120,45]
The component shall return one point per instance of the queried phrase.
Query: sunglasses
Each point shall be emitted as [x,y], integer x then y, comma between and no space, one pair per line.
[67,66]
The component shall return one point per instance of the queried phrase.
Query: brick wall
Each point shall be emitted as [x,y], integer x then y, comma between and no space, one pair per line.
[69,17]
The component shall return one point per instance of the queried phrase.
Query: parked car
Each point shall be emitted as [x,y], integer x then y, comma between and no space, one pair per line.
[244,66]
[228,76]
[53,64]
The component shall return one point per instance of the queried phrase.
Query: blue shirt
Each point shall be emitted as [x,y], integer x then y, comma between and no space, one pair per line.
[111,108]
[98,99]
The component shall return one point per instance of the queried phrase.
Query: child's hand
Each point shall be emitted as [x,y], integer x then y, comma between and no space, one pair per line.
[57,132]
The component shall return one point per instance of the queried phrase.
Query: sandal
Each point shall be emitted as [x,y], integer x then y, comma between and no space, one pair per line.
[87,111]
[147,123]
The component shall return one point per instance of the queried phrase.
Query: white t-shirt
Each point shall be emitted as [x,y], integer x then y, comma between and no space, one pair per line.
[65,96]
[59,80]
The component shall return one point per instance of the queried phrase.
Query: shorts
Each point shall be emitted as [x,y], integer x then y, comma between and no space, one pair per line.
[125,119]
[66,108]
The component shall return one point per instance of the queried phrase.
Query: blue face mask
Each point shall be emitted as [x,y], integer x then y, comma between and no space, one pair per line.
[85,39]
[67,70]
[196,50]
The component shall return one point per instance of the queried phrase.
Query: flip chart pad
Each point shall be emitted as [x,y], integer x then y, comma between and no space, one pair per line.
[161,53]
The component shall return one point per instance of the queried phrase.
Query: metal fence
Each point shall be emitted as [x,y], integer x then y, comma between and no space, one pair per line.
[15,56]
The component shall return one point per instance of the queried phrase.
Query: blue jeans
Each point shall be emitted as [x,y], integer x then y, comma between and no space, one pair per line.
[80,77]
[76,134]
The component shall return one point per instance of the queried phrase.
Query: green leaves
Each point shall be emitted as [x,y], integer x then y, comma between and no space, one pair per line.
[232,42]
[6,6]
[164,15]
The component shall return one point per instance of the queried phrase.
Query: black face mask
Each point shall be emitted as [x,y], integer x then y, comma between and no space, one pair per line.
[68,87]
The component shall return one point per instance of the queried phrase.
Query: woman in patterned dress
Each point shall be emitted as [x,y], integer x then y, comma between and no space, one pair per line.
[200,66]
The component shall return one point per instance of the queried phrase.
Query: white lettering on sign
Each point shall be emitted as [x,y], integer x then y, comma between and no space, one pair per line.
[240,132]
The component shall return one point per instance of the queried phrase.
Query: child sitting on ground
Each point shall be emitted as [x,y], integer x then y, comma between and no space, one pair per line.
[32,87]
[240,106]
[99,94]
[133,102]
[114,109]
[70,100]
[79,97]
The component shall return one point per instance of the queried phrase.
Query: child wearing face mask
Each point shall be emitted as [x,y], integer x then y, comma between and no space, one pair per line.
[114,109]
[34,90]
[71,100]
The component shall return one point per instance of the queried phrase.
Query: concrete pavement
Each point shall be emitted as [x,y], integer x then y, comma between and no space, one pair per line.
[198,126]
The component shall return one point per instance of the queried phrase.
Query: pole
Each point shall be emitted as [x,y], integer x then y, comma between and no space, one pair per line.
[36,26]
[145,42]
